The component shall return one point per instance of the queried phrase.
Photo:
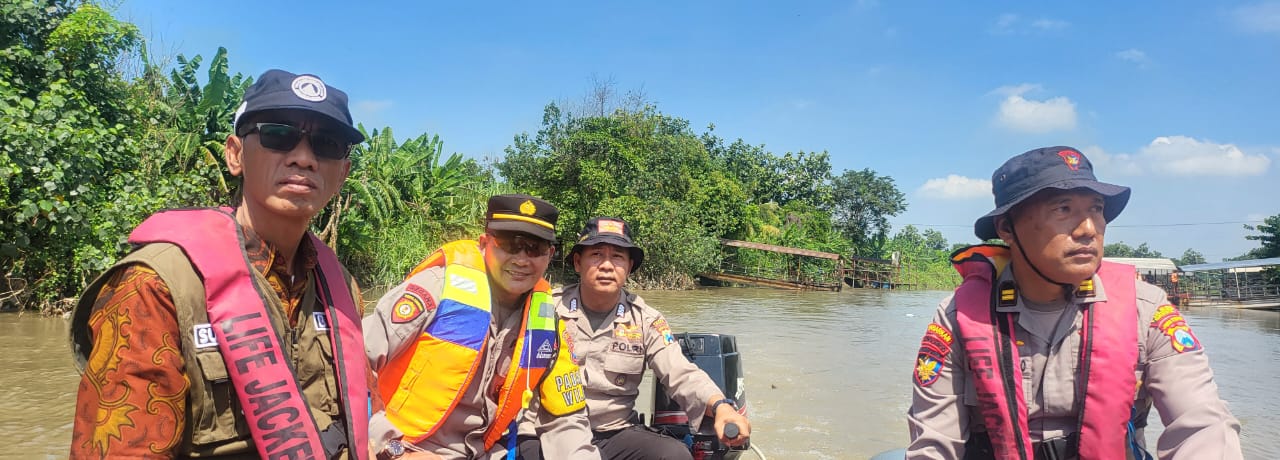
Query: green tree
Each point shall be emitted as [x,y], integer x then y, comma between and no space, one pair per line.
[1190,257]
[400,200]
[1120,249]
[863,202]
[1268,236]
[66,124]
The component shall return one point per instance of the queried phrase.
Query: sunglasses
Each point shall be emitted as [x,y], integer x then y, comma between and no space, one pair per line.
[515,243]
[283,138]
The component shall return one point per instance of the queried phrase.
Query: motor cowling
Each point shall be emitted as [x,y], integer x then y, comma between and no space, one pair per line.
[717,355]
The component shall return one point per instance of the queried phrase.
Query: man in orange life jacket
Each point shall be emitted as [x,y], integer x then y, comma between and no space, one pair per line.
[233,332]
[1046,351]
[470,341]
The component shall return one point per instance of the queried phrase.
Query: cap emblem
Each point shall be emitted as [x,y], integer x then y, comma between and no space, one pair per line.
[1071,158]
[309,88]
[609,226]
[527,208]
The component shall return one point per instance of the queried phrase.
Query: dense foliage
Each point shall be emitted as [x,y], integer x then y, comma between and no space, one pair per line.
[94,136]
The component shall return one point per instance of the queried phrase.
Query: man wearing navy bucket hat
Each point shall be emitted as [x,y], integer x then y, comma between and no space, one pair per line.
[617,336]
[1046,351]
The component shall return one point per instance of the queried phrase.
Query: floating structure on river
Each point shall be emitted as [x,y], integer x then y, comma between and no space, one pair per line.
[795,268]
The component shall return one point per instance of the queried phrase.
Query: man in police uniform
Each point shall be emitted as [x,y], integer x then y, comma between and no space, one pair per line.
[618,335]
[470,340]
[1043,366]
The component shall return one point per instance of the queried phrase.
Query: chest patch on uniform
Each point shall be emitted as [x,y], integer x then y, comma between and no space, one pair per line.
[412,304]
[934,348]
[664,330]
[1169,321]
[628,332]
[203,334]
[320,320]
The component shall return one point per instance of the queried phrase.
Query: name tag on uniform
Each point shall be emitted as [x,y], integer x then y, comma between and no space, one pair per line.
[630,348]
[204,337]
[322,322]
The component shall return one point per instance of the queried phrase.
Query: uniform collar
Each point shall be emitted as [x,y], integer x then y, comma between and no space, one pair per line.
[1008,300]
[572,306]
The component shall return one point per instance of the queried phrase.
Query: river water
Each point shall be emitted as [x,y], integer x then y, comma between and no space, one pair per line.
[828,374]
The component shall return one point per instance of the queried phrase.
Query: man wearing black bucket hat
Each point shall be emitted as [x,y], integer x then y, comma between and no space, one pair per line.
[469,343]
[1046,351]
[618,336]
[233,332]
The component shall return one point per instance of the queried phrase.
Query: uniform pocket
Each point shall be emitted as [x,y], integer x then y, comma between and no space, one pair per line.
[623,370]
[213,404]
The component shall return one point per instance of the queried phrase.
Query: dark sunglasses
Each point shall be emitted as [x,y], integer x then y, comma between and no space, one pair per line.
[515,243]
[283,138]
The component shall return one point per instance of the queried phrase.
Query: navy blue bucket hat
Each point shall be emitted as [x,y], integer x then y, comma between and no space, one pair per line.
[1063,168]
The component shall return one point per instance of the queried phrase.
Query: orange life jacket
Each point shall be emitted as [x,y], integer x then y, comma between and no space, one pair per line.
[423,385]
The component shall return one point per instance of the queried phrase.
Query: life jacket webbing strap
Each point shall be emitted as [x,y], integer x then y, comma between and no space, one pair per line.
[264,379]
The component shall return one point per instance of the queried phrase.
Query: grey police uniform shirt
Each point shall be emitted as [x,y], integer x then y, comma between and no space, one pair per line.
[462,433]
[615,357]
[1198,424]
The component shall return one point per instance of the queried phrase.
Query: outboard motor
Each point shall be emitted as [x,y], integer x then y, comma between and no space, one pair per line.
[717,355]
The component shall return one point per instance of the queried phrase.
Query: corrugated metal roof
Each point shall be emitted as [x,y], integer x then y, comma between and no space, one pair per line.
[1145,265]
[1274,261]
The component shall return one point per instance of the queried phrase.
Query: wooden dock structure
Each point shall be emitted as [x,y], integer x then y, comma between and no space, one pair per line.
[803,269]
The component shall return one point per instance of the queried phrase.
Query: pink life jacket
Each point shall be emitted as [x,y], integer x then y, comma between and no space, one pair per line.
[1108,358]
[275,409]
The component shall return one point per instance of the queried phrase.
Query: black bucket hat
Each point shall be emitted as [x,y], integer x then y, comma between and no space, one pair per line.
[1059,167]
[607,230]
[280,90]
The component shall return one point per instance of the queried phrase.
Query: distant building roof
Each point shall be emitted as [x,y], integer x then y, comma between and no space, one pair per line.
[1145,265]
[1274,261]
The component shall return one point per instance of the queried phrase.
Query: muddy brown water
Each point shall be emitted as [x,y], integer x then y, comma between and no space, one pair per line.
[828,374]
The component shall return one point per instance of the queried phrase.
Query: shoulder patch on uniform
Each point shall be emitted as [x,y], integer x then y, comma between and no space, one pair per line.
[934,348]
[1169,321]
[567,338]
[662,328]
[412,304]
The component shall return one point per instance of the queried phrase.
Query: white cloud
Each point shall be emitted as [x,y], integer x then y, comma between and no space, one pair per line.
[1050,24]
[954,187]
[1186,156]
[1034,116]
[1133,55]
[368,108]
[1005,23]
[1180,156]
[1259,17]
[1009,23]
[1108,164]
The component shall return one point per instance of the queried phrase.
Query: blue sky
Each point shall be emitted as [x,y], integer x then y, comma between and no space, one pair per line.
[1175,99]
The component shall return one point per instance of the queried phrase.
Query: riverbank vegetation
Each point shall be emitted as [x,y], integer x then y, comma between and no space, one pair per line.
[95,135]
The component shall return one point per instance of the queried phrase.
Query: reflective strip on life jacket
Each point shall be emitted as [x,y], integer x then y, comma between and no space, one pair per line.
[275,410]
[1109,354]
